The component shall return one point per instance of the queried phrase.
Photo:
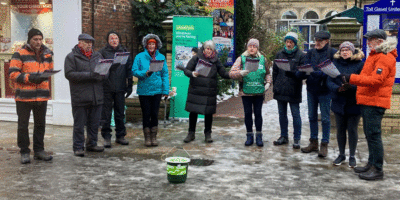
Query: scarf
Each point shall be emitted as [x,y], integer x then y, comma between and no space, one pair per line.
[88,54]
[211,56]
[290,51]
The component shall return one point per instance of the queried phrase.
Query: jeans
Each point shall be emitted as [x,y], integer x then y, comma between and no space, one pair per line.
[150,106]
[253,104]
[324,102]
[372,120]
[283,119]
[114,100]
[208,119]
[88,116]
[349,123]
[39,116]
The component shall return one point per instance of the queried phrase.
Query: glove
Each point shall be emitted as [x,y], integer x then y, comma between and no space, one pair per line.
[180,67]
[244,72]
[290,74]
[345,78]
[267,86]
[149,73]
[36,79]
[96,76]
[195,74]
[128,89]
[345,87]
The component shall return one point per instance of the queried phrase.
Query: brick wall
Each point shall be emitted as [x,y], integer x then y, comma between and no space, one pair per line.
[106,19]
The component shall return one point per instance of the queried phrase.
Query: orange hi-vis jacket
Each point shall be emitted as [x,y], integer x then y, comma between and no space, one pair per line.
[24,63]
[377,76]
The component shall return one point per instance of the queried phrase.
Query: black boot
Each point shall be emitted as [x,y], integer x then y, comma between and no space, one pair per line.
[259,141]
[107,143]
[190,137]
[250,139]
[207,137]
[282,140]
[372,174]
[121,141]
[362,169]
[42,155]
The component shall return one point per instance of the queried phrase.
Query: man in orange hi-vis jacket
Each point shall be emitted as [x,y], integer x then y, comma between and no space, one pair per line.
[32,93]
[374,93]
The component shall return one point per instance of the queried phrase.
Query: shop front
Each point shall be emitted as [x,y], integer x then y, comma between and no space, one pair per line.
[60,22]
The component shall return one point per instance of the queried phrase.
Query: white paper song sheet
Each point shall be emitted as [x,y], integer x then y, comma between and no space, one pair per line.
[329,68]
[156,65]
[103,66]
[305,68]
[203,67]
[121,57]
[251,64]
[282,64]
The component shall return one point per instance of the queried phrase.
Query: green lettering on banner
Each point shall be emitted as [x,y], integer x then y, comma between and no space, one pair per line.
[187,33]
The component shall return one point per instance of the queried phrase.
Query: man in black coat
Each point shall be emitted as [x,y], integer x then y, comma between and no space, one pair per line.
[86,87]
[288,88]
[117,87]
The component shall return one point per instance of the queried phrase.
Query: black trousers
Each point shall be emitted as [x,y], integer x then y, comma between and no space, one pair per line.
[88,116]
[39,116]
[114,100]
[349,123]
[150,106]
[193,121]
[253,104]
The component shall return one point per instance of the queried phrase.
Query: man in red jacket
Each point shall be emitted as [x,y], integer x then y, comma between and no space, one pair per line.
[374,93]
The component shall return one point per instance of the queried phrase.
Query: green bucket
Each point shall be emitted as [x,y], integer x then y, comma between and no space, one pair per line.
[177,169]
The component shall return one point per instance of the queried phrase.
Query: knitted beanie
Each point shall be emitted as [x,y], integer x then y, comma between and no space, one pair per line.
[348,45]
[254,42]
[291,36]
[33,32]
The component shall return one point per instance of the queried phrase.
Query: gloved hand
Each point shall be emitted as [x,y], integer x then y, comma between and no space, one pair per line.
[128,88]
[290,74]
[180,67]
[195,74]
[36,79]
[267,86]
[149,73]
[244,72]
[345,78]
[96,76]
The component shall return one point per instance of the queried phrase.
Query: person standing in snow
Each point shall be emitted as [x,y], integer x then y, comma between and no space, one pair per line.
[287,89]
[202,92]
[252,87]
[151,86]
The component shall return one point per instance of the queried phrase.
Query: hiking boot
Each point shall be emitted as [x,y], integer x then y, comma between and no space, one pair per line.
[338,161]
[122,141]
[107,143]
[42,155]
[250,139]
[296,144]
[146,133]
[323,150]
[259,141]
[25,158]
[79,153]
[352,162]
[153,136]
[362,169]
[207,137]
[371,174]
[190,137]
[95,148]
[313,146]
[282,140]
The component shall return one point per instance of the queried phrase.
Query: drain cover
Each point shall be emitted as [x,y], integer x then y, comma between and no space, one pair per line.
[201,162]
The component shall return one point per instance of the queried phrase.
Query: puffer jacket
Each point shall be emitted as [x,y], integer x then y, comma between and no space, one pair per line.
[376,80]
[85,88]
[24,63]
[345,103]
[288,87]
[118,74]
[202,92]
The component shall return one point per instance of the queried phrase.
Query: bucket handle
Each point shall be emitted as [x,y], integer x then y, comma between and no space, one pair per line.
[164,156]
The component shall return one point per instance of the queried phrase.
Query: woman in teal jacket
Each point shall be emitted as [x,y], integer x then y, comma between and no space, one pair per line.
[151,86]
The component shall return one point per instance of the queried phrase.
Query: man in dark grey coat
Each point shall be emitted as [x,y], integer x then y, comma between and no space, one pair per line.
[86,88]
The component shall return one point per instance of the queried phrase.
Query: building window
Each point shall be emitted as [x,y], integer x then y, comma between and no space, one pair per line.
[331,13]
[311,15]
[289,15]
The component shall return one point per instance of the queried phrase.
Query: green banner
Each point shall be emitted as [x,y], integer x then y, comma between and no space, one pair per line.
[188,32]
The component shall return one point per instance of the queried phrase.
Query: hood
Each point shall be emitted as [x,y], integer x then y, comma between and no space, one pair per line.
[388,46]
[358,55]
[151,36]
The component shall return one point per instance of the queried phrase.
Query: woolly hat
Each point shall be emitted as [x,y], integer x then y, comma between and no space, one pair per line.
[254,42]
[112,32]
[291,36]
[33,32]
[348,45]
